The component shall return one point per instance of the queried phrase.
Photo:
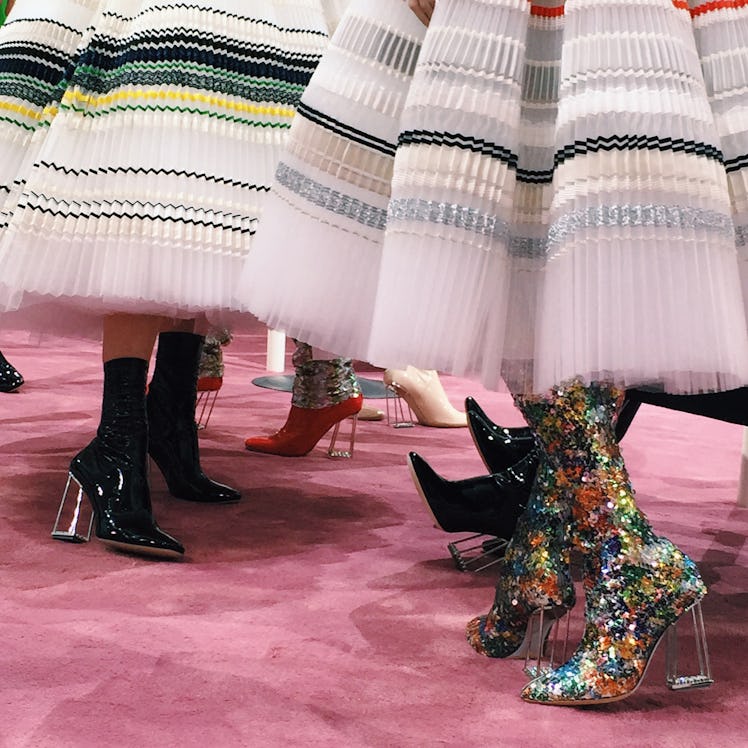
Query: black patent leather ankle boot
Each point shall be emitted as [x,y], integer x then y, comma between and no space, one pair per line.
[171,420]
[10,378]
[498,447]
[501,447]
[112,469]
[488,504]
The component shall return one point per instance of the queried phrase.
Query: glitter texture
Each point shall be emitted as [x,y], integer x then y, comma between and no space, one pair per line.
[636,583]
[534,571]
[211,355]
[320,384]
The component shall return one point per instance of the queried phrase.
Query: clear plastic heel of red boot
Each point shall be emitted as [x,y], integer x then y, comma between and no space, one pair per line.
[73,512]
[332,451]
[207,393]
[698,656]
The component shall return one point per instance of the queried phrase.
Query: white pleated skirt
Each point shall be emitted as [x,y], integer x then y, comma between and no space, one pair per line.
[555,191]
[138,141]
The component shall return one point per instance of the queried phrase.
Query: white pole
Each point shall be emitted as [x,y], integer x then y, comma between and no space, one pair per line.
[276,351]
[743,481]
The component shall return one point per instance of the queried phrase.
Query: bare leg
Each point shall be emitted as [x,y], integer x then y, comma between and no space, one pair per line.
[133,335]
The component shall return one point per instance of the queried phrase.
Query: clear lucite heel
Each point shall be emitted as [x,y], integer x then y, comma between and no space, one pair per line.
[398,420]
[332,452]
[542,647]
[704,678]
[70,513]
[477,552]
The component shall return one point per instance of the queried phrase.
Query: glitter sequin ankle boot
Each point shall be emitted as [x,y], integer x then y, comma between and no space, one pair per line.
[324,394]
[534,573]
[636,584]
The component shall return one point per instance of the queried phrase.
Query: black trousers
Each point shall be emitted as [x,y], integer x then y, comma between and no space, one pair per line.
[731,405]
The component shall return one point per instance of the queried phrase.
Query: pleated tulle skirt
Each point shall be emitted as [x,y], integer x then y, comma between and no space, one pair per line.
[567,200]
[138,140]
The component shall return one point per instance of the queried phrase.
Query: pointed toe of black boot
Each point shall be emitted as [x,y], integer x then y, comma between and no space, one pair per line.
[488,505]
[10,377]
[193,485]
[499,447]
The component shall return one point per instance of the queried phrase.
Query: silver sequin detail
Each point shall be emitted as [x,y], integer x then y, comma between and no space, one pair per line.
[331,200]
[666,216]
[448,214]
[741,236]
[604,216]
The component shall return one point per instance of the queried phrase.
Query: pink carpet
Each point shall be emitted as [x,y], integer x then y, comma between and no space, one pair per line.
[322,610]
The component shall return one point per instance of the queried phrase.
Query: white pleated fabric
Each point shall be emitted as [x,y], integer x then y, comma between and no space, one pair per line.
[568,197]
[314,268]
[138,141]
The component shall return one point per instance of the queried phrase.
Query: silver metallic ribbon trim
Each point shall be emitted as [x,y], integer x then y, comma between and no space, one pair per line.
[331,200]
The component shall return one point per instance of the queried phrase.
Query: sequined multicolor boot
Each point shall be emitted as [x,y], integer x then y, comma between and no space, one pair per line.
[636,583]
[534,572]
[324,393]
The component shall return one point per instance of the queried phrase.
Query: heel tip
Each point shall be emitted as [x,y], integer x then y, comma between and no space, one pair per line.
[68,537]
[685,682]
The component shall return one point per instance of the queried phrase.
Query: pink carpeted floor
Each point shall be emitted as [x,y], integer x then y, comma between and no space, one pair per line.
[322,610]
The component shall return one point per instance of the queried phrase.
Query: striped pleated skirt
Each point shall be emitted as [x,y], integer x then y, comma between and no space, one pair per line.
[138,141]
[526,192]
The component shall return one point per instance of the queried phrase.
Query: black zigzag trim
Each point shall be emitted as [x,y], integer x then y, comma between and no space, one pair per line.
[642,142]
[463,142]
[346,131]
[215,11]
[148,217]
[161,172]
[158,46]
[737,163]
[578,148]
[42,19]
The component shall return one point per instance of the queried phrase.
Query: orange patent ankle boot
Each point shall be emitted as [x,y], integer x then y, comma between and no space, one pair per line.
[305,427]
[325,392]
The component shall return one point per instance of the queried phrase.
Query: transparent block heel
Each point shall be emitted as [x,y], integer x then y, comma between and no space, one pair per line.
[543,648]
[346,453]
[70,514]
[704,678]
[398,420]
[205,403]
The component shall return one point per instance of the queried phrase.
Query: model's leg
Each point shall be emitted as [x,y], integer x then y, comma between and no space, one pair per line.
[112,469]
[171,401]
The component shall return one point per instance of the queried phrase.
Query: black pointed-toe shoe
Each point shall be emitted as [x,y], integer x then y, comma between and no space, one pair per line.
[488,504]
